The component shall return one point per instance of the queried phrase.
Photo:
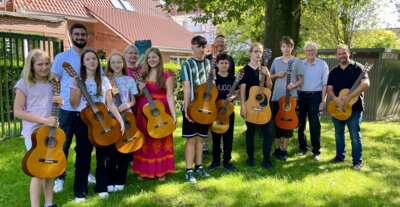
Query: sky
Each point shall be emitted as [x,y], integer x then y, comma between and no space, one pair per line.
[388,15]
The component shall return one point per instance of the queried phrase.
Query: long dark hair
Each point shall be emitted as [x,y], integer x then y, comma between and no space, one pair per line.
[97,75]
[160,69]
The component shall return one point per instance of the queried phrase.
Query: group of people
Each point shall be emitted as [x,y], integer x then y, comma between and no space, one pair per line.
[309,84]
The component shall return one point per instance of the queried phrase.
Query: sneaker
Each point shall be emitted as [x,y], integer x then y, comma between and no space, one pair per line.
[189,177]
[58,185]
[213,165]
[283,156]
[267,164]
[317,157]
[103,195]
[118,187]
[91,179]
[357,167]
[336,160]
[251,162]
[229,167]
[200,170]
[80,200]
[301,153]
[277,153]
[110,188]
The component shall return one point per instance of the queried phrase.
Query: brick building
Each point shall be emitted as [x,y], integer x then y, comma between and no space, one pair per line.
[112,24]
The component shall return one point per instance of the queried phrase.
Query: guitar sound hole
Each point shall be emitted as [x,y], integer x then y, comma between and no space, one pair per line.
[259,97]
[98,116]
[127,125]
[51,142]
[155,112]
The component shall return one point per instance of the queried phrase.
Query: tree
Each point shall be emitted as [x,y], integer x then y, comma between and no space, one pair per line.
[331,22]
[376,38]
[280,17]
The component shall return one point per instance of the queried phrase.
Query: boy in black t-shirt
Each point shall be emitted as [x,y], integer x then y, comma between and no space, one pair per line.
[224,82]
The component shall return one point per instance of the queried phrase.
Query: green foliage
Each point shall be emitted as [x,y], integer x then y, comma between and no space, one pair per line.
[376,38]
[171,66]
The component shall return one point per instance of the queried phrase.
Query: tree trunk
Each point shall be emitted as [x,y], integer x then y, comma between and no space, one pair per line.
[282,19]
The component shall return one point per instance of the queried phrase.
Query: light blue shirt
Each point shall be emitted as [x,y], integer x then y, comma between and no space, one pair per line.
[74,59]
[280,83]
[315,75]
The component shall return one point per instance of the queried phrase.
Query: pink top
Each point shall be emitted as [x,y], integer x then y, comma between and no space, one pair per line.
[38,101]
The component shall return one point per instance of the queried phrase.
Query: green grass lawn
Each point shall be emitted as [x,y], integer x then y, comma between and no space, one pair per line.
[300,181]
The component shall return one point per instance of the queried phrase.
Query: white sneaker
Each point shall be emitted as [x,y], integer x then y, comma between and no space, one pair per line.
[110,188]
[118,187]
[103,195]
[91,179]
[80,200]
[58,185]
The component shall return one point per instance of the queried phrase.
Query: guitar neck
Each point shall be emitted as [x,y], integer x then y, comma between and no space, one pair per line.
[211,75]
[355,85]
[147,94]
[231,92]
[86,94]
[287,95]
[54,113]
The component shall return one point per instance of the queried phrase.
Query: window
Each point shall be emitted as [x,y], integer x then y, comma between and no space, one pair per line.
[2,2]
[122,4]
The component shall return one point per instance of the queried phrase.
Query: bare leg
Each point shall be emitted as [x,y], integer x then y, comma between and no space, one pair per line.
[48,190]
[190,151]
[199,150]
[34,191]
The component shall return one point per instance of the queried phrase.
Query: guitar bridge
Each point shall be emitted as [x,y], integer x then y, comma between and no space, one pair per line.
[106,130]
[48,161]
[255,108]
[286,119]
[161,124]
[204,111]
[129,139]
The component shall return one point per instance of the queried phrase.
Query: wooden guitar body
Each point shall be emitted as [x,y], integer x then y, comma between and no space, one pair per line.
[159,123]
[286,117]
[202,109]
[133,138]
[257,105]
[342,113]
[46,158]
[221,124]
[103,130]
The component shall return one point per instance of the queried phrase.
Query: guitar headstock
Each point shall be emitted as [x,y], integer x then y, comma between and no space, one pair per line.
[266,56]
[290,65]
[111,78]
[67,67]
[240,74]
[55,86]
[368,65]
[214,50]
[138,74]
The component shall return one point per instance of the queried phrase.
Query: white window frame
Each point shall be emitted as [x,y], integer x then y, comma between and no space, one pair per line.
[122,4]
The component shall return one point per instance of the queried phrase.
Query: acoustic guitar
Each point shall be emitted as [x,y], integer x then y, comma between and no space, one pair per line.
[286,117]
[225,108]
[203,109]
[103,130]
[258,104]
[343,113]
[159,123]
[133,138]
[46,158]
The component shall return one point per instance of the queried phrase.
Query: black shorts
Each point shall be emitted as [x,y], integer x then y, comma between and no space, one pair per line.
[278,132]
[190,130]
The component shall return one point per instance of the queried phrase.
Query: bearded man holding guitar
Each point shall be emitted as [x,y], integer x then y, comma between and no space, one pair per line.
[341,77]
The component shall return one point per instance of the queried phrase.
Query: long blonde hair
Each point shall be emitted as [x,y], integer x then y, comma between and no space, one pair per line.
[160,69]
[110,70]
[27,73]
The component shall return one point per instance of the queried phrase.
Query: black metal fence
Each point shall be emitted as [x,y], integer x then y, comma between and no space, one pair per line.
[14,48]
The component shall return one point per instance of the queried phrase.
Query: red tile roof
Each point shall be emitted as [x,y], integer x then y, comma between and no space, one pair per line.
[146,22]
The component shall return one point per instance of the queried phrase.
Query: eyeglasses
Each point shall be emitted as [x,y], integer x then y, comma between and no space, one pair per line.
[313,50]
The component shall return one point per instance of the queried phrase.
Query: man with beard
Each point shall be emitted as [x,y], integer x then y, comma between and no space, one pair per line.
[344,76]
[68,116]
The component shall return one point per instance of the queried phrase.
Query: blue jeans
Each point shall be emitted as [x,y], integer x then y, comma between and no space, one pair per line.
[353,125]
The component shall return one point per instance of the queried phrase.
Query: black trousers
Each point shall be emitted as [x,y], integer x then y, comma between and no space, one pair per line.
[266,133]
[227,140]
[117,166]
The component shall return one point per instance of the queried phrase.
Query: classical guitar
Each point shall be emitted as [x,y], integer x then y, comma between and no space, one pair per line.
[133,138]
[203,109]
[159,123]
[257,105]
[225,108]
[344,112]
[103,130]
[46,158]
[286,117]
